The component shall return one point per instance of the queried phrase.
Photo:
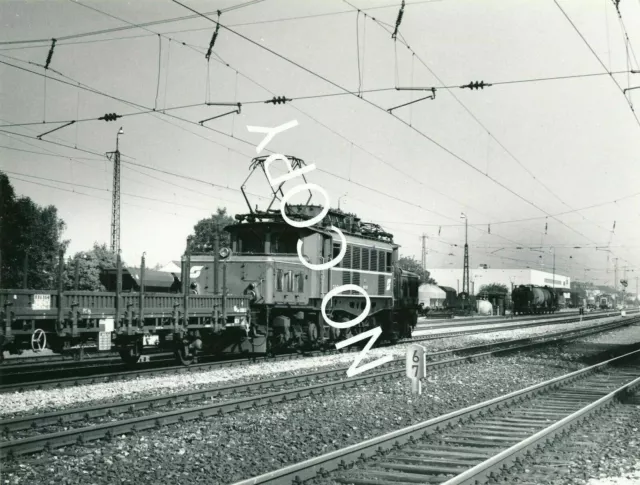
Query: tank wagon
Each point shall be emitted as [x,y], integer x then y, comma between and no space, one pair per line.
[528,299]
[286,296]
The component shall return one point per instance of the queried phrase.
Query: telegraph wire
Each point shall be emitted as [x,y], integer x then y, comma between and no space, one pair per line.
[47,154]
[109,191]
[92,195]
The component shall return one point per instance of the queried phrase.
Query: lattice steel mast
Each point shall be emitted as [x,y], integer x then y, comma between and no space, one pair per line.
[115,200]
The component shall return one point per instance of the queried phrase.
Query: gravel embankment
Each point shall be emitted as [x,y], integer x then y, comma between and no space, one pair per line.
[39,401]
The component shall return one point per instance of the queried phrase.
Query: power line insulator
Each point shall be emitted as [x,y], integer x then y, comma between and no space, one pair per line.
[476,85]
[213,38]
[53,44]
[110,117]
[278,100]
[398,21]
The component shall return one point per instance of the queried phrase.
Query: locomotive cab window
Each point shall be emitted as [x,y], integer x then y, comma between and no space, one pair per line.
[388,267]
[250,242]
[279,280]
[284,242]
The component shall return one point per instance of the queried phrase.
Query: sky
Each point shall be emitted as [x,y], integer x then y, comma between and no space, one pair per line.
[548,165]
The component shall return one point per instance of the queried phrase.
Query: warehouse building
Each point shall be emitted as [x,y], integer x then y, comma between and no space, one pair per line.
[485,276]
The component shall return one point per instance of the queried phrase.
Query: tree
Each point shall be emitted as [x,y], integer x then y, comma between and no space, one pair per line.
[91,264]
[30,239]
[494,289]
[409,263]
[205,229]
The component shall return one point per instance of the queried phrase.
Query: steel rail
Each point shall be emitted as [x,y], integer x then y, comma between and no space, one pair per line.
[108,430]
[436,358]
[119,376]
[501,461]
[321,466]
[89,358]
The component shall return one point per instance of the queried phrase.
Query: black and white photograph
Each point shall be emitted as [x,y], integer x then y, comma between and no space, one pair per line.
[320,242]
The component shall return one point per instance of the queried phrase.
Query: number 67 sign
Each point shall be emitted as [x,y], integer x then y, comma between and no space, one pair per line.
[416,366]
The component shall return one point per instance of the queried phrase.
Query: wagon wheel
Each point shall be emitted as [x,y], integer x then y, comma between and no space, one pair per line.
[38,340]
[184,356]
[131,355]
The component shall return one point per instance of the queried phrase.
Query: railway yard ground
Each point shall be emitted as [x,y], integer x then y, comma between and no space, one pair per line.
[243,440]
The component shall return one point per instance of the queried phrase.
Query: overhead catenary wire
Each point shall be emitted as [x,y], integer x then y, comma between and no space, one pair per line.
[635,116]
[378,191]
[191,17]
[476,85]
[427,137]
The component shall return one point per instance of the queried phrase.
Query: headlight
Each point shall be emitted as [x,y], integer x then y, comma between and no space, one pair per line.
[225,253]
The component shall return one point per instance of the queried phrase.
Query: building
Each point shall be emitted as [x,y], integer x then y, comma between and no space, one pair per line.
[431,296]
[509,277]
[171,267]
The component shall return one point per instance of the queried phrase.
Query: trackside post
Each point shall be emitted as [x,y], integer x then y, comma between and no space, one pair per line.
[416,366]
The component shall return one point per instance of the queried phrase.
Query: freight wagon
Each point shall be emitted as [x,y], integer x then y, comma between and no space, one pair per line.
[130,323]
[528,299]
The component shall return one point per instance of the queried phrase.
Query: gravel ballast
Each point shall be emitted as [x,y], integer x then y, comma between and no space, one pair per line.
[39,401]
[246,443]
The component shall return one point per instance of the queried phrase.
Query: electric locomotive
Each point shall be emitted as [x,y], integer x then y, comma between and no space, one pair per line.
[286,296]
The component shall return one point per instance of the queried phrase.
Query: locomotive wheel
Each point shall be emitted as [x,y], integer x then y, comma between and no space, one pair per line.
[38,340]
[312,333]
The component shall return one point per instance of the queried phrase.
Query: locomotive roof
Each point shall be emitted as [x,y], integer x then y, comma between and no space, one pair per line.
[349,224]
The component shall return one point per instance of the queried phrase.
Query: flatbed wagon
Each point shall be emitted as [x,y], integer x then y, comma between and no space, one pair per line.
[132,323]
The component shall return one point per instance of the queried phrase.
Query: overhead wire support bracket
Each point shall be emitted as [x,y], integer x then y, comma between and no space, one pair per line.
[237,111]
[476,85]
[400,88]
[55,129]
[432,96]
[624,91]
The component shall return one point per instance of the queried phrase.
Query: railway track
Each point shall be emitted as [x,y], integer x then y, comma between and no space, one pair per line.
[15,379]
[473,445]
[96,422]
[114,357]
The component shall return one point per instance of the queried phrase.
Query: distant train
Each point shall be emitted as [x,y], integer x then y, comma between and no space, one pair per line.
[606,302]
[532,299]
